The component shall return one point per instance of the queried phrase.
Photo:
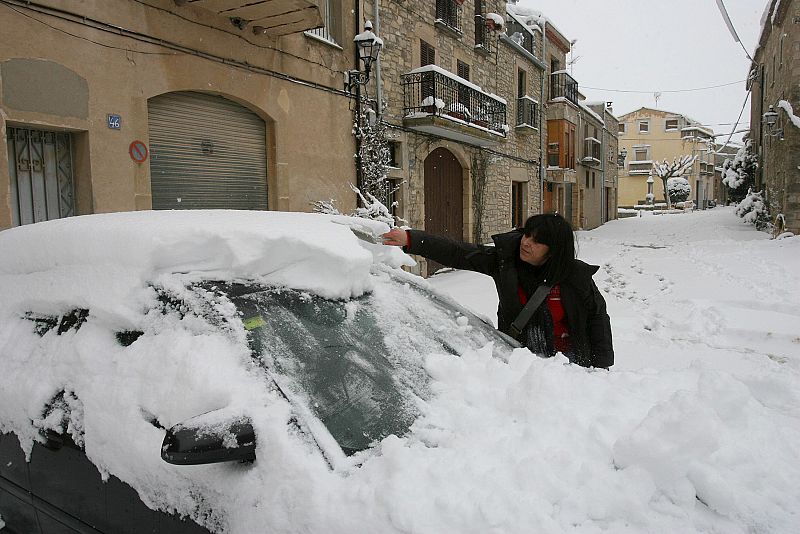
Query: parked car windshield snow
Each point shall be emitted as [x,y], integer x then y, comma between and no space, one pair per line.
[357,364]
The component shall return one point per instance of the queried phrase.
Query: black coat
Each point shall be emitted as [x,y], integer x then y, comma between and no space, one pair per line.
[584,306]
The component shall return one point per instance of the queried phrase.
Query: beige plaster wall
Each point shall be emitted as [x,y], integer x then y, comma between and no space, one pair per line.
[309,143]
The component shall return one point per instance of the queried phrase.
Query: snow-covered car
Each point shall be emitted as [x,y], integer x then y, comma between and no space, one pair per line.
[180,372]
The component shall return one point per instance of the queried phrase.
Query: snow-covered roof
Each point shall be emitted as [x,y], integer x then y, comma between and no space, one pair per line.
[591,112]
[531,16]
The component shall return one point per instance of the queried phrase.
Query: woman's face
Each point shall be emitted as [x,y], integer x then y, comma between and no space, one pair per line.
[532,252]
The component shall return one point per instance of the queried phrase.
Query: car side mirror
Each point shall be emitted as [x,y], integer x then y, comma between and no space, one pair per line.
[207,439]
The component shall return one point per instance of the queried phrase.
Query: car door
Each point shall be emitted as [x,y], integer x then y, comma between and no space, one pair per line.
[16,502]
[67,492]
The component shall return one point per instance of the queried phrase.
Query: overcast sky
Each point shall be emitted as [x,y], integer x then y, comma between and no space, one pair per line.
[661,45]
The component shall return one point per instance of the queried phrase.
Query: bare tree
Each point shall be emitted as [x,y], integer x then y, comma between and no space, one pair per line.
[666,170]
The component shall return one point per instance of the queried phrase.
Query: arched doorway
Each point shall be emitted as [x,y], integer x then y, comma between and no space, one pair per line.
[206,152]
[444,197]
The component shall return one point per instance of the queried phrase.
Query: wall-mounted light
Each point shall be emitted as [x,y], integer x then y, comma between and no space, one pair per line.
[621,157]
[770,118]
[369,48]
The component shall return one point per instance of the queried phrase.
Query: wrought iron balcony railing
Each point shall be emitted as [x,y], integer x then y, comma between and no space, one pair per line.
[527,112]
[431,91]
[448,12]
[563,85]
[520,35]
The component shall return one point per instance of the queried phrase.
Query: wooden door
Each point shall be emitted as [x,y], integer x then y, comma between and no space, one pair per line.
[444,194]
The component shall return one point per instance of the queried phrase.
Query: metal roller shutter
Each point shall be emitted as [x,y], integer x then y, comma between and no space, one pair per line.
[206,152]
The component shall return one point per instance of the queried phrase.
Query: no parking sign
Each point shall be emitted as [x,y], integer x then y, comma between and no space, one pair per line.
[138,151]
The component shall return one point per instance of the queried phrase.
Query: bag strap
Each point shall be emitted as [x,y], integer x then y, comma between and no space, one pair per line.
[527,312]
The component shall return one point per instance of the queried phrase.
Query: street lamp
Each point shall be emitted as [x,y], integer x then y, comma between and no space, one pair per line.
[369,48]
[621,157]
[770,118]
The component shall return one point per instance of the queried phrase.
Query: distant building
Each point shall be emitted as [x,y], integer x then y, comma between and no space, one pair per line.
[775,110]
[647,135]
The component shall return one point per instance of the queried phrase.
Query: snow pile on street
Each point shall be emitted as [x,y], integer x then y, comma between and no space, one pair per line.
[695,429]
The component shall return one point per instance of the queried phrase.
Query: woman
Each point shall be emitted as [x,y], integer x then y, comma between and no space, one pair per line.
[571,320]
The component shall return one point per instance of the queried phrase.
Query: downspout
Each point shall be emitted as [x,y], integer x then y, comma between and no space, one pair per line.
[542,156]
[378,83]
[359,174]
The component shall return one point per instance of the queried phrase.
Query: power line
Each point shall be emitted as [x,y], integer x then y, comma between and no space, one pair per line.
[724,11]
[740,116]
[664,90]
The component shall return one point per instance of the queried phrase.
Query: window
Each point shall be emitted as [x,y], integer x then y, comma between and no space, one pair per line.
[448,12]
[522,83]
[553,153]
[481,33]
[644,127]
[518,204]
[594,178]
[587,179]
[555,65]
[332,22]
[670,125]
[394,196]
[621,128]
[462,69]
[427,54]
[395,155]
[641,154]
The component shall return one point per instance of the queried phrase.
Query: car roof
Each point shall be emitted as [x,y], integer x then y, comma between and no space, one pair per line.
[107,257]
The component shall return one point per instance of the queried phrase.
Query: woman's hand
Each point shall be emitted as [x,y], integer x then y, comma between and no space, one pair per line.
[396,237]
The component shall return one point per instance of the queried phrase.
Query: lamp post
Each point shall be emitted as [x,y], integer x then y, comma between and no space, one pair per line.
[368,46]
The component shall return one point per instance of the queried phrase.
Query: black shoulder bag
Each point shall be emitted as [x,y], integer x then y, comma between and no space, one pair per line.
[525,315]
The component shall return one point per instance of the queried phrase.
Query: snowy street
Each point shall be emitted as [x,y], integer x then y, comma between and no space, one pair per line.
[700,416]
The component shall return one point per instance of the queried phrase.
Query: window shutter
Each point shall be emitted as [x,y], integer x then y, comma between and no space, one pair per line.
[427,54]
[463,70]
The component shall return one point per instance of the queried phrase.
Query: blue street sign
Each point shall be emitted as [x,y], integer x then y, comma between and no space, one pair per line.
[114,122]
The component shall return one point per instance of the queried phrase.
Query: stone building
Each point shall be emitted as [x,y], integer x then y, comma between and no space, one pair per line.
[115,105]
[647,135]
[462,103]
[600,159]
[775,111]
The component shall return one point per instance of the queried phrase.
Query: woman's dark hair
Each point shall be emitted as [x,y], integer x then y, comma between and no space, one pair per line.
[553,230]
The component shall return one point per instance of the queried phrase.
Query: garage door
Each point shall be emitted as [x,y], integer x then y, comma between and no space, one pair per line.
[206,152]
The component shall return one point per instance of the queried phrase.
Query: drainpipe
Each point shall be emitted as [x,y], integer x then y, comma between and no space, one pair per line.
[359,173]
[378,84]
[542,156]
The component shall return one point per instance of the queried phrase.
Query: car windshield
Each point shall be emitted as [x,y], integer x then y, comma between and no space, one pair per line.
[358,364]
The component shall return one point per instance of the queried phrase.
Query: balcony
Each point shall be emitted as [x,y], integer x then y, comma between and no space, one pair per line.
[591,151]
[520,34]
[439,102]
[706,169]
[448,15]
[640,167]
[527,115]
[277,17]
[562,85]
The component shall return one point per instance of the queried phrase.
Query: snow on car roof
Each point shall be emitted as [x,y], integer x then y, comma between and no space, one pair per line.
[101,260]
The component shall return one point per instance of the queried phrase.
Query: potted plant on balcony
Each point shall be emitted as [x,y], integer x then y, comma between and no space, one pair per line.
[459,111]
[494,22]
